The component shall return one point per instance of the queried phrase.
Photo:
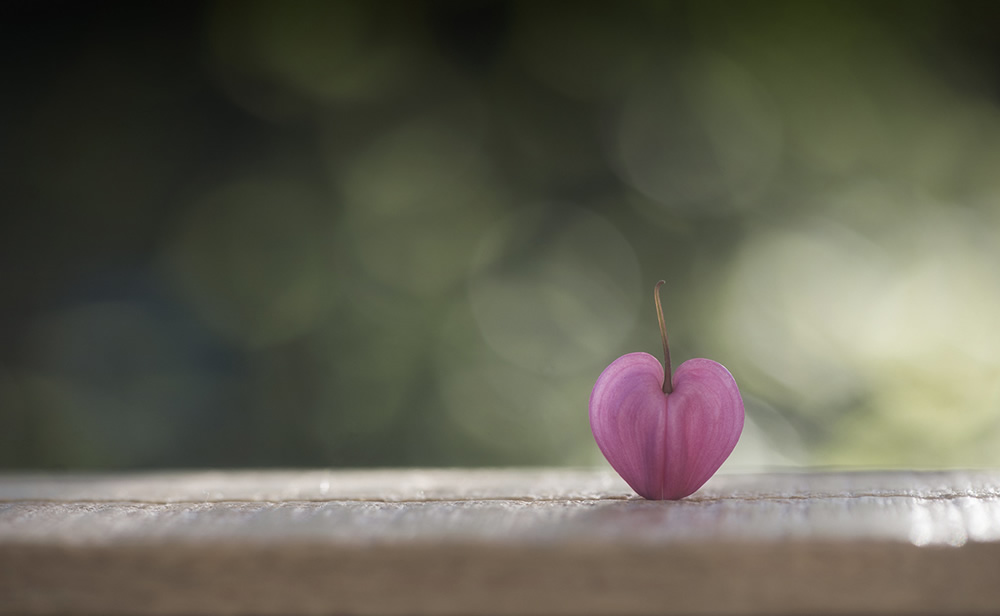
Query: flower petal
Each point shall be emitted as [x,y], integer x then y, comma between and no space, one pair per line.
[628,418]
[704,421]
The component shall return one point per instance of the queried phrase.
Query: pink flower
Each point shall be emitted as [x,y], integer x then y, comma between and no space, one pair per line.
[665,436]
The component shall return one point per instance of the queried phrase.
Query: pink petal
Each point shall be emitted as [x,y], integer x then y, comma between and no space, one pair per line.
[665,446]
[704,422]
[628,418]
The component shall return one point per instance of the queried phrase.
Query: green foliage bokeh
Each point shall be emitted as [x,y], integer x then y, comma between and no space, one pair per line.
[414,233]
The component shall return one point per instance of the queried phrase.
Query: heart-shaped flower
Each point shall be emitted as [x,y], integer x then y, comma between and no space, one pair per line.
[666,436]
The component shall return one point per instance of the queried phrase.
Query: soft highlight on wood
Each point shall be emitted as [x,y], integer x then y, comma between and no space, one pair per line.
[497,542]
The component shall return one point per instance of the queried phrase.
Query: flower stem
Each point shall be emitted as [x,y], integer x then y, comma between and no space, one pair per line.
[668,385]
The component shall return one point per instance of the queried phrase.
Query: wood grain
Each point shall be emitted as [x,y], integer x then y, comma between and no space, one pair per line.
[498,542]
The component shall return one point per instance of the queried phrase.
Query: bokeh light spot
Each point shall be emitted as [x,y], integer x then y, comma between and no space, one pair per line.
[257,260]
[417,201]
[326,51]
[564,305]
[707,139]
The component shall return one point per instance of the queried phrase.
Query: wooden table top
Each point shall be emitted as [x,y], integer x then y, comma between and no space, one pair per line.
[498,541]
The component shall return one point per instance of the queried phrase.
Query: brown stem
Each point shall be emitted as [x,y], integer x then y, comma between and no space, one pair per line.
[668,385]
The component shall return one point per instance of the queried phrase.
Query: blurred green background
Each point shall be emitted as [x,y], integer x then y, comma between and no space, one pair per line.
[414,233]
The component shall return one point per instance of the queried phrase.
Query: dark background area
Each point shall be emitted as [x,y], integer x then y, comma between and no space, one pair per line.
[414,233]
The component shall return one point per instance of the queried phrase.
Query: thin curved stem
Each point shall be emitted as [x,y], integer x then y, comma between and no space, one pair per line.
[668,385]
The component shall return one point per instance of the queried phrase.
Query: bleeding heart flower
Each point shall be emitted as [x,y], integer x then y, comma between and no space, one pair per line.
[665,436]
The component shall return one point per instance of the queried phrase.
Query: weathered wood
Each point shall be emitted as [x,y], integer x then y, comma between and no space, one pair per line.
[464,542]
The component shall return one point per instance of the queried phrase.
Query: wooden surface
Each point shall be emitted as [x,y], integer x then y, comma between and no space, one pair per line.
[497,542]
